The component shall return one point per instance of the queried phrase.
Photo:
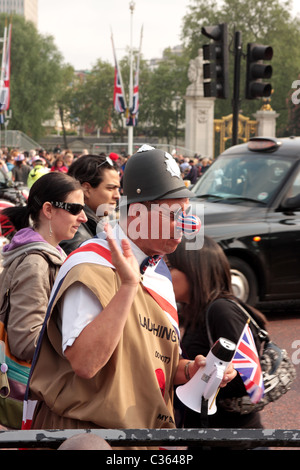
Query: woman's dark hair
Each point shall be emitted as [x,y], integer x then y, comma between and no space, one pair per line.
[49,187]
[208,272]
[87,169]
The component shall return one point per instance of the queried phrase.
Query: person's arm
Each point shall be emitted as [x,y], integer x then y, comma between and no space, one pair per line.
[187,369]
[29,296]
[95,344]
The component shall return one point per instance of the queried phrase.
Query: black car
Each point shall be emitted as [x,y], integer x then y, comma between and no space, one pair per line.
[251,197]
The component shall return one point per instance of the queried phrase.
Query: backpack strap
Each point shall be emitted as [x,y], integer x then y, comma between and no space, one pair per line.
[262,334]
[207,325]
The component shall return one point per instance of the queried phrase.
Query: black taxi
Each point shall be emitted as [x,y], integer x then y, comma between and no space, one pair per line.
[251,198]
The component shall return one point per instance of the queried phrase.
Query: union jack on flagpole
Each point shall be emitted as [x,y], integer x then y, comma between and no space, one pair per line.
[134,109]
[119,95]
[246,362]
[130,111]
[5,70]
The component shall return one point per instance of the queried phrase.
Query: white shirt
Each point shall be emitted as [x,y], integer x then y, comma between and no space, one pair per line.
[80,305]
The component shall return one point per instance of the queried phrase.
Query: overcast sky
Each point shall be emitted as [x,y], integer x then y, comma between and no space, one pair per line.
[82,29]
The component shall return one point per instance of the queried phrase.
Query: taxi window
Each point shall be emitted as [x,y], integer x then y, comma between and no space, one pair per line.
[295,188]
[255,178]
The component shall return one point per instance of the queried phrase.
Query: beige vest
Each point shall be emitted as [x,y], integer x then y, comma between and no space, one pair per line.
[135,388]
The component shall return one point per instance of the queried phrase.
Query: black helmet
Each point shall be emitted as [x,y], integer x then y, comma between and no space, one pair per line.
[152,174]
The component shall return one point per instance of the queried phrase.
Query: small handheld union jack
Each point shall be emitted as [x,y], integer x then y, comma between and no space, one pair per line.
[246,362]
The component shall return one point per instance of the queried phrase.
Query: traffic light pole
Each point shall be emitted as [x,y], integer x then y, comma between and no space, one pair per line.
[215,70]
[236,86]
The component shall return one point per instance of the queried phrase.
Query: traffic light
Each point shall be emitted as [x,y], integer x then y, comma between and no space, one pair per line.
[257,71]
[215,70]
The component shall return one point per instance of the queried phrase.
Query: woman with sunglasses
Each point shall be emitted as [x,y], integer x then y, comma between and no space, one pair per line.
[32,259]
[209,310]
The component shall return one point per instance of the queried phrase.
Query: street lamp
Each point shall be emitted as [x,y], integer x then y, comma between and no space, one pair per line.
[130,128]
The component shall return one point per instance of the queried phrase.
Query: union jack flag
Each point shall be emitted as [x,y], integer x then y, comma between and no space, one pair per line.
[246,362]
[119,103]
[133,111]
[5,72]
[135,105]
[119,96]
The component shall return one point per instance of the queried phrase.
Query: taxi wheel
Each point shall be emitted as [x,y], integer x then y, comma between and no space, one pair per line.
[243,279]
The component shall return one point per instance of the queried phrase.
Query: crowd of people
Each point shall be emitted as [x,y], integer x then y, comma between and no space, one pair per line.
[27,166]
[110,353]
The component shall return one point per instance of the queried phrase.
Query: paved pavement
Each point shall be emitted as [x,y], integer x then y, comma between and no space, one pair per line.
[284,329]
[285,413]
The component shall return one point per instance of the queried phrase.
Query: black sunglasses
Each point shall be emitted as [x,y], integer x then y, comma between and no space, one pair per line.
[71,207]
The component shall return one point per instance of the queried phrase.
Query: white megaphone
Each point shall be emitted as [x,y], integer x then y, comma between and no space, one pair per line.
[199,393]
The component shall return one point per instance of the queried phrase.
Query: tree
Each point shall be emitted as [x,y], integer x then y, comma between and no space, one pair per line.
[162,96]
[35,75]
[64,97]
[166,92]
[88,100]
[95,95]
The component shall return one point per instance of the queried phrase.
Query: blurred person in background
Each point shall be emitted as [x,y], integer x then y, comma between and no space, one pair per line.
[68,158]
[209,310]
[59,166]
[21,169]
[39,169]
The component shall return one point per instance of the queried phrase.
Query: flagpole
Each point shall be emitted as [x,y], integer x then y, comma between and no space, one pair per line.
[130,128]
[4,40]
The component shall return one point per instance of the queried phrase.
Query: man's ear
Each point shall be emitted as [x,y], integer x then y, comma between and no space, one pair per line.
[86,189]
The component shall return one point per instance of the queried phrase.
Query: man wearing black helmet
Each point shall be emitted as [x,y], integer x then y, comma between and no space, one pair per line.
[110,354]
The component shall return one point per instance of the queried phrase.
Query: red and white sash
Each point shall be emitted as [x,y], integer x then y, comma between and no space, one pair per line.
[156,280]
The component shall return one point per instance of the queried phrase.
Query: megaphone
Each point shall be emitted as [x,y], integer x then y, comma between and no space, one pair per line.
[200,392]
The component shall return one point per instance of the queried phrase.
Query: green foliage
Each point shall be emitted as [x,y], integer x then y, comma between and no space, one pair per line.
[41,81]
[163,106]
[93,97]
[35,75]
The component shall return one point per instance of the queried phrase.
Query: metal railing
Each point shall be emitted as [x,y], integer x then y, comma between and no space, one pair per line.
[17,140]
[117,147]
[262,438]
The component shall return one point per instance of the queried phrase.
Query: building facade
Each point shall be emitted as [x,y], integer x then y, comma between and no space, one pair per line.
[26,8]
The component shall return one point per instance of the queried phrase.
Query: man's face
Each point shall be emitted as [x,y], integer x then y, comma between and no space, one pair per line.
[106,194]
[152,225]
